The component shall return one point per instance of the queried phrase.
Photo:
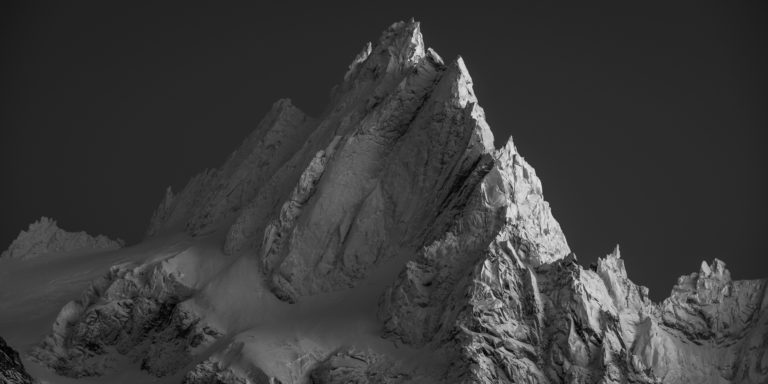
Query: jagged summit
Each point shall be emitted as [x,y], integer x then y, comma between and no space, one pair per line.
[396,77]
[388,241]
[401,46]
[44,237]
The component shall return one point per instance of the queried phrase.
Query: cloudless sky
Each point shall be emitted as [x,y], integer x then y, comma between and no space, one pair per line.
[646,122]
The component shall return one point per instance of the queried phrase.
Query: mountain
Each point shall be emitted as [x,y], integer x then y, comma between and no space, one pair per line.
[385,241]
[45,237]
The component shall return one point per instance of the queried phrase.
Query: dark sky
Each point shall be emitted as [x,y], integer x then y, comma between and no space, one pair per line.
[646,123]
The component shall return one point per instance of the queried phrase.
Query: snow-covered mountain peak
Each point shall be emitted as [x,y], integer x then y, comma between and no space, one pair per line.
[384,241]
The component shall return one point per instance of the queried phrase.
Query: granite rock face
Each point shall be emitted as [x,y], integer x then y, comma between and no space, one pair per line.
[400,174]
[44,237]
[11,369]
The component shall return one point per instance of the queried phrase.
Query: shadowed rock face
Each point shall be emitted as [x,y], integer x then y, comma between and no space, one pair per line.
[11,369]
[400,170]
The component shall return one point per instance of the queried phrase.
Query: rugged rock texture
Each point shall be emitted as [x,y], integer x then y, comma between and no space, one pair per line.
[401,145]
[232,366]
[353,366]
[44,236]
[345,365]
[400,173]
[134,312]
[509,321]
[11,369]
[215,372]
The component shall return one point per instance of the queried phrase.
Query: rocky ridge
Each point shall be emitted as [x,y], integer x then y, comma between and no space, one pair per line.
[400,173]
[44,237]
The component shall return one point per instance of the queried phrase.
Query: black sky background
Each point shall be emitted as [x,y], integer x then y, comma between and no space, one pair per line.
[646,122]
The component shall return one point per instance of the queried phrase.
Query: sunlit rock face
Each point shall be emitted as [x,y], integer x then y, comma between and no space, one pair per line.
[45,237]
[389,241]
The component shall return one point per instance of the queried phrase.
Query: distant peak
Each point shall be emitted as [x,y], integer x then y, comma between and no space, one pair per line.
[44,236]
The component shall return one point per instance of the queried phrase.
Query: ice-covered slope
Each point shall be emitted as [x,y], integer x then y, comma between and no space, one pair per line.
[387,241]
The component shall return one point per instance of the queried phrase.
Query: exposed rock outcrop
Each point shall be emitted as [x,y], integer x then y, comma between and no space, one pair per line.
[364,367]
[235,364]
[509,321]
[44,236]
[396,193]
[134,312]
[11,369]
